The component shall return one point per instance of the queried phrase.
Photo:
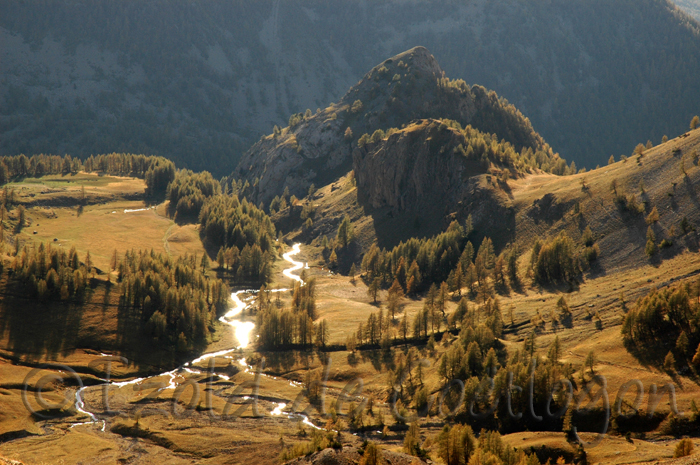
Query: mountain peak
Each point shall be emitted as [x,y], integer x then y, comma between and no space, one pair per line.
[317,148]
[416,64]
[418,59]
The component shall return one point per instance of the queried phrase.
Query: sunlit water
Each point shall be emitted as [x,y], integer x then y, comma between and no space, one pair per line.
[297,265]
[133,210]
[241,330]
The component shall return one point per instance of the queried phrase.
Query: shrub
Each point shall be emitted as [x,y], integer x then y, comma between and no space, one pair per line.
[591,253]
[650,248]
[377,136]
[684,447]
[653,217]
[356,106]
[363,140]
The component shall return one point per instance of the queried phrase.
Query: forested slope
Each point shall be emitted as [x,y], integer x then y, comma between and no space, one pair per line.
[199,82]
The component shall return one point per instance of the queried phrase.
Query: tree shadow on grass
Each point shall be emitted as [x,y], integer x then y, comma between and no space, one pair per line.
[280,362]
[36,329]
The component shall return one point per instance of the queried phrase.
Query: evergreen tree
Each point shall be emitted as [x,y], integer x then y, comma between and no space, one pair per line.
[458,279]
[653,216]
[345,232]
[322,333]
[682,343]
[403,330]
[373,289]
[554,351]
[670,362]
[441,299]
[21,217]
[373,455]
[113,263]
[591,361]
[394,297]
[412,441]
[220,258]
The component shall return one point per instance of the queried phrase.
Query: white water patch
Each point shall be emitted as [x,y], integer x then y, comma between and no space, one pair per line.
[221,353]
[80,407]
[297,265]
[278,409]
[305,420]
[126,383]
[133,210]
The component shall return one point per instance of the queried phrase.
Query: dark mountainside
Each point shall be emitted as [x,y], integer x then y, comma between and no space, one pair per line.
[200,82]
[317,148]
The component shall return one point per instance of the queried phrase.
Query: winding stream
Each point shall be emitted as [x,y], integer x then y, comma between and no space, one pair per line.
[242,331]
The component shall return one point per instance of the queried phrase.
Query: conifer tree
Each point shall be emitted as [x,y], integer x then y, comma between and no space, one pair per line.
[373,289]
[345,232]
[591,361]
[394,297]
[412,441]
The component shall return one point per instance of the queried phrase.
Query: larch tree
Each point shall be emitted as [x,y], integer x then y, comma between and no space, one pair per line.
[591,361]
[394,298]
[373,289]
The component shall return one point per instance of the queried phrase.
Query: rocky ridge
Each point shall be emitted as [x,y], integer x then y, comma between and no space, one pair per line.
[317,148]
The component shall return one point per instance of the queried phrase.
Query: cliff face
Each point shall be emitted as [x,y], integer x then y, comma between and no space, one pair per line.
[317,148]
[420,172]
[413,169]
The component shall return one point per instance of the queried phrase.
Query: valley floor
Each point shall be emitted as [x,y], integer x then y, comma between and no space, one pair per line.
[191,415]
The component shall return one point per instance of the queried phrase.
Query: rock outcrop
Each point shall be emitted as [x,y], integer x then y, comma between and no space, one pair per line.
[317,148]
[415,168]
[421,172]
